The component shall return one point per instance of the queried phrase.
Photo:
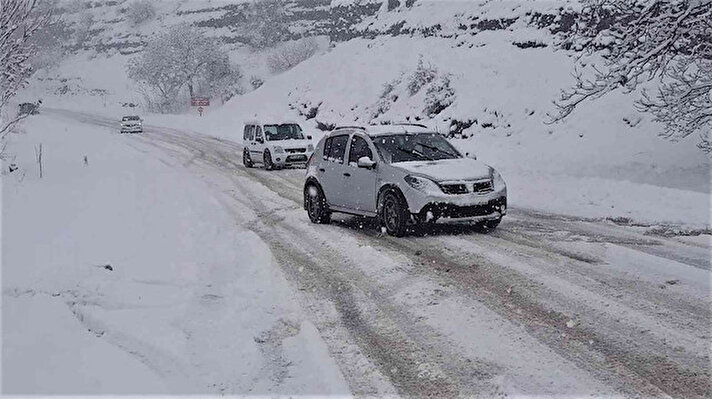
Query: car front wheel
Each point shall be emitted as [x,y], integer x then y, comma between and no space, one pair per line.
[246,160]
[315,202]
[394,214]
[269,165]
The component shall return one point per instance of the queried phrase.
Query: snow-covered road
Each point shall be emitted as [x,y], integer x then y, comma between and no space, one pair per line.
[544,305]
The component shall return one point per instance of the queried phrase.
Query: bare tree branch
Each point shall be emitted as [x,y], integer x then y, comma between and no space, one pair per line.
[640,40]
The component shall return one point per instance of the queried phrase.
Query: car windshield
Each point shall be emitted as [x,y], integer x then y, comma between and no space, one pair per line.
[414,147]
[285,131]
[130,118]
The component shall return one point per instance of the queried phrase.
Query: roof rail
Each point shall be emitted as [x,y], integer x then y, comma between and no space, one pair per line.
[406,124]
[349,127]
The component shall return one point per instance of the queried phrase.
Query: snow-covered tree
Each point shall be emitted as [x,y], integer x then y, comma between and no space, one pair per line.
[266,23]
[222,79]
[669,41]
[180,57]
[19,20]
[289,54]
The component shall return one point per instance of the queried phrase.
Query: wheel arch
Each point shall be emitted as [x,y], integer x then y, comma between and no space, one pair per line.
[388,187]
[312,181]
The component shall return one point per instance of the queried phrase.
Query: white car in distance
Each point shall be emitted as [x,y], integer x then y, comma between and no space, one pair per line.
[275,145]
[131,124]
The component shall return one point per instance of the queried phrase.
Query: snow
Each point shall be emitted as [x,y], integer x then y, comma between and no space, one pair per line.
[590,166]
[125,275]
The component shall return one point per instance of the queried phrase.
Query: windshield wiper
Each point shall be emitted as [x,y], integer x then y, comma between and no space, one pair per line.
[448,153]
[416,153]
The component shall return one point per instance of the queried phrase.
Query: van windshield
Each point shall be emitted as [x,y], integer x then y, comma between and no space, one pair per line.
[414,147]
[285,131]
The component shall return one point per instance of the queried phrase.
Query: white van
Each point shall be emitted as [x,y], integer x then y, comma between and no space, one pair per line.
[275,145]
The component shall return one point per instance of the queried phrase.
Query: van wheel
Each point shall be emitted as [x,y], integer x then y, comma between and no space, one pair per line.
[394,214]
[246,160]
[267,158]
[315,203]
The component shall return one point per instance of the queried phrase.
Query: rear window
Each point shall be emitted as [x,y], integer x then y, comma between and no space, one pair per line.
[335,148]
[130,118]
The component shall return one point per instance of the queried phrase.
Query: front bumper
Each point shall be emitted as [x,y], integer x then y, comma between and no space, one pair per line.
[286,159]
[457,206]
[131,129]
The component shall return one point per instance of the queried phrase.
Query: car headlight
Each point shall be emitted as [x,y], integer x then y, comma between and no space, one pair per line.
[422,184]
[310,148]
[278,149]
[498,181]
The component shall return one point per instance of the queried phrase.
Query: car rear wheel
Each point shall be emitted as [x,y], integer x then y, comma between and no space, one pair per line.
[315,202]
[267,157]
[394,214]
[246,160]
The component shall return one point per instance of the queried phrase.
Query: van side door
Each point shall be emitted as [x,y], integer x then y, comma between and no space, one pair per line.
[259,143]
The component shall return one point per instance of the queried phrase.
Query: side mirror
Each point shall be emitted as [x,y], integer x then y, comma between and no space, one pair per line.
[471,155]
[260,140]
[366,162]
[309,137]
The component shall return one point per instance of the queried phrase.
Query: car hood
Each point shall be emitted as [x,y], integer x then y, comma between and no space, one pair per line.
[291,143]
[447,169]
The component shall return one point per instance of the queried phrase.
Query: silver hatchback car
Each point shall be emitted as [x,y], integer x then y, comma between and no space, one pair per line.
[403,174]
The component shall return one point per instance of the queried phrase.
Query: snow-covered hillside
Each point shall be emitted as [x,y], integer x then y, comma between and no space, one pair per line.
[487,72]
[606,160]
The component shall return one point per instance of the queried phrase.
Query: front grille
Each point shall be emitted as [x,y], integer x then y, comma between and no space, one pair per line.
[297,158]
[454,188]
[482,187]
[295,150]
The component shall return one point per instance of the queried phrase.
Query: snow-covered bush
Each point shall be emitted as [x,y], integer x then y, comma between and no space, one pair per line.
[422,75]
[256,82]
[438,96]
[386,98]
[288,55]
[140,11]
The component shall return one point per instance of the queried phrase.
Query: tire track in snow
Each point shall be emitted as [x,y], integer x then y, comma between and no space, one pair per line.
[620,364]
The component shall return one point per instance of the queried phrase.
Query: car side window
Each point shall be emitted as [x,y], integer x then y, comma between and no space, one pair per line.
[359,149]
[327,148]
[337,149]
[258,132]
[247,135]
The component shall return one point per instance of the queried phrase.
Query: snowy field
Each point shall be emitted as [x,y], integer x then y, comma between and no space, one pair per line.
[156,263]
[123,274]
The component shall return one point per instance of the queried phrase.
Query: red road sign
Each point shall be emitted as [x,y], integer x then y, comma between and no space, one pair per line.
[200,101]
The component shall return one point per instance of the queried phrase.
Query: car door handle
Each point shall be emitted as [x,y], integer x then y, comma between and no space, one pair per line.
[322,170]
[347,174]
